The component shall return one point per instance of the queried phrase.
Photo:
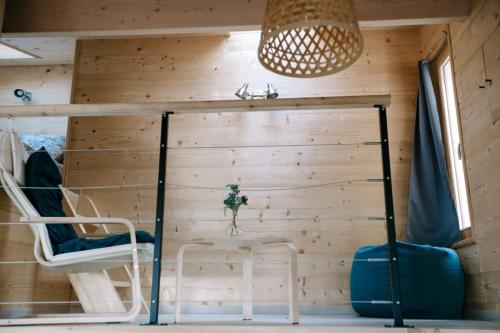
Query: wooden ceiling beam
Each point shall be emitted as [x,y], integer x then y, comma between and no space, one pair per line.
[143,109]
[387,13]
[164,17]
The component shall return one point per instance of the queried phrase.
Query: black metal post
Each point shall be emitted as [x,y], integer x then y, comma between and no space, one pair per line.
[160,203]
[389,211]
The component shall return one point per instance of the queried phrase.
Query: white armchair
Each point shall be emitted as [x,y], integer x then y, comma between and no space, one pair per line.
[85,269]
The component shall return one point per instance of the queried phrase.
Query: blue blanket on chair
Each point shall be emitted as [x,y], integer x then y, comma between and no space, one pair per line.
[42,178]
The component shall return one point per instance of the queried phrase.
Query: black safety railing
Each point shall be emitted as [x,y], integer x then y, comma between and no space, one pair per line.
[162,184]
[389,208]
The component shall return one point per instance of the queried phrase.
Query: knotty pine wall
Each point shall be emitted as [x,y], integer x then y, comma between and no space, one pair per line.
[475,46]
[48,84]
[327,224]
[28,282]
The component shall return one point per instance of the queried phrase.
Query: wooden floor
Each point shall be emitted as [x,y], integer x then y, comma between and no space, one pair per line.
[272,324]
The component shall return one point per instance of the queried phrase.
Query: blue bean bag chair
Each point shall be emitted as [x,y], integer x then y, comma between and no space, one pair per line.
[432,282]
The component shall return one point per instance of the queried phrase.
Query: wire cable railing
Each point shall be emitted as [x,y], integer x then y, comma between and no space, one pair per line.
[201,301]
[146,149]
[204,260]
[197,261]
[197,187]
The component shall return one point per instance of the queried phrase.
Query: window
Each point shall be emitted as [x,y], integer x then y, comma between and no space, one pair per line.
[8,52]
[451,129]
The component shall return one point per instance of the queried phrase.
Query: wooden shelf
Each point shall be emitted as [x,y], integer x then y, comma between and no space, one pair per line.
[121,109]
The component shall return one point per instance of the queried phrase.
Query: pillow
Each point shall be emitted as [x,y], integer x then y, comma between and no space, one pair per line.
[41,171]
[54,144]
[5,152]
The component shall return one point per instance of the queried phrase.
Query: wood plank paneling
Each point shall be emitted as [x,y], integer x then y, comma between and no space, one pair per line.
[24,282]
[492,65]
[475,46]
[28,282]
[431,37]
[48,84]
[469,36]
[160,17]
[197,107]
[272,149]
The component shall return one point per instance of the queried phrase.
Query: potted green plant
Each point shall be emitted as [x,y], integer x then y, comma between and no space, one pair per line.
[233,201]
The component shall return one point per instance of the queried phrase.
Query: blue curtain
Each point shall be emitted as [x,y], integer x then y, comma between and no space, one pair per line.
[432,217]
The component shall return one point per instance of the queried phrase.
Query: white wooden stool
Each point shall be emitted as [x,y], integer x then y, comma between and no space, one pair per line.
[245,246]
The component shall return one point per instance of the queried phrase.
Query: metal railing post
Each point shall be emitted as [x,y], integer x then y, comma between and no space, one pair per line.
[390,221]
[160,211]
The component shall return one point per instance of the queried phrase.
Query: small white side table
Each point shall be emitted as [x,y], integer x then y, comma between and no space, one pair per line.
[246,246]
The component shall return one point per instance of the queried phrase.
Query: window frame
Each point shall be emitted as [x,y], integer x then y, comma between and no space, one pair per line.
[466,234]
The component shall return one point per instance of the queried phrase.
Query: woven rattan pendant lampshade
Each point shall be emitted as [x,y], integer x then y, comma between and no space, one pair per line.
[309,38]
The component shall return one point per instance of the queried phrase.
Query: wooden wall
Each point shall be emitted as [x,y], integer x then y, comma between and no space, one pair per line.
[327,223]
[49,85]
[162,17]
[475,46]
[27,282]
